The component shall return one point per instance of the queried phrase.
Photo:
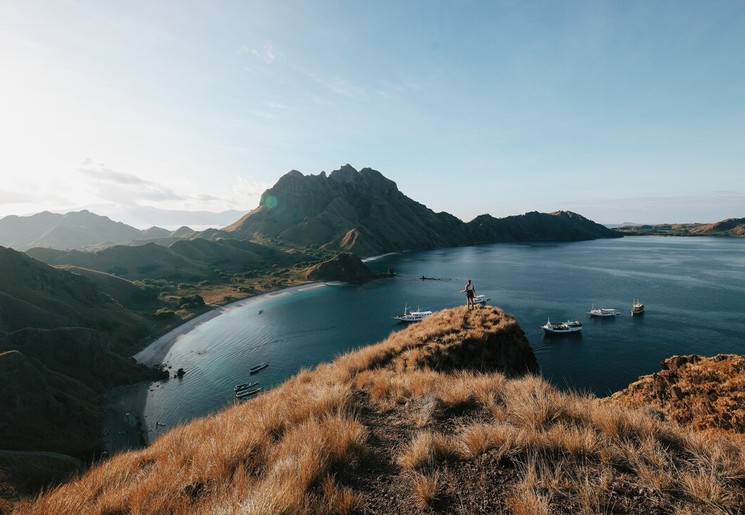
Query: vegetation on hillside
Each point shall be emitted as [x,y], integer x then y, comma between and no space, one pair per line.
[440,417]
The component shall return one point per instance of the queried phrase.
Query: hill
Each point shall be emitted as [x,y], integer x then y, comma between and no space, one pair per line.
[365,213]
[444,416]
[74,230]
[185,260]
[734,227]
[63,343]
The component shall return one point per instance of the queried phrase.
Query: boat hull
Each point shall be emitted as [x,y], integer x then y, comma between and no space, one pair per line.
[568,327]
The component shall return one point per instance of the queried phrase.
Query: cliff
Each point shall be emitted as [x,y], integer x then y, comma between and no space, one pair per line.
[696,391]
[444,416]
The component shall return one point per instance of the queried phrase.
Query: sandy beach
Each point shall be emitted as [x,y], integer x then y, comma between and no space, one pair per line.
[156,353]
[126,426]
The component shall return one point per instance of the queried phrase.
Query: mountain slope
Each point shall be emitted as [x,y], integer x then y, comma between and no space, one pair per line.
[74,230]
[365,213]
[438,418]
[185,260]
[63,343]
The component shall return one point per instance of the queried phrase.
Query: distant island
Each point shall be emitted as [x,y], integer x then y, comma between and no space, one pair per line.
[733,227]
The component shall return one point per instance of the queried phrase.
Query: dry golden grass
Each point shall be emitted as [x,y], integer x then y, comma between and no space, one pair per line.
[306,446]
[425,488]
[425,451]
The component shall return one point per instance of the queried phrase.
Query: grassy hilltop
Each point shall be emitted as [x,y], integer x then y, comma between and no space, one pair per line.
[444,416]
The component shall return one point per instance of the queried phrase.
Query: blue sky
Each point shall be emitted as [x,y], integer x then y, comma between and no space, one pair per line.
[621,111]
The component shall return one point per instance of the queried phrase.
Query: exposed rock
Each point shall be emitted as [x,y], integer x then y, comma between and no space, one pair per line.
[701,392]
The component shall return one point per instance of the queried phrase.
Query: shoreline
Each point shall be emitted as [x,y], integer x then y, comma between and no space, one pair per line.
[125,424]
[157,351]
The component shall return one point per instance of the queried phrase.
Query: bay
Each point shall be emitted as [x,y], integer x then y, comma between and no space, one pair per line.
[693,289]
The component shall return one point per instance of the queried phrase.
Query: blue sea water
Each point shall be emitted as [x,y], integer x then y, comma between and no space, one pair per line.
[693,289]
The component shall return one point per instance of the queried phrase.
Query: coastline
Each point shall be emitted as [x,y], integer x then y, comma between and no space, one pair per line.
[156,352]
[126,426]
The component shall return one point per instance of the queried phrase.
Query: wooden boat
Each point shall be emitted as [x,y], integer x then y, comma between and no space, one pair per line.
[247,393]
[244,386]
[260,366]
[637,308]
[568,327]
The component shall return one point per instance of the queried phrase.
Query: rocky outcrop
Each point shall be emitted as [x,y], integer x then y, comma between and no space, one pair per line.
[485,339]
[344,267]
[696,391]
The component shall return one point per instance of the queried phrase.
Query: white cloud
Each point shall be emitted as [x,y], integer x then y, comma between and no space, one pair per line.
[126,188]
[268,53]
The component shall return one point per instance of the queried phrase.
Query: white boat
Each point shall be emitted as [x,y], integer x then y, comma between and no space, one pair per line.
[481,299]
[570,326]
[603,312]
[637,308]
[412,316]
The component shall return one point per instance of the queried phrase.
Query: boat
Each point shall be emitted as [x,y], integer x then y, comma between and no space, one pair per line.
[244,386]
[603,312]
[481,299]
[637,308]
[412,316]
[247,393]
[570,326]
[260,366]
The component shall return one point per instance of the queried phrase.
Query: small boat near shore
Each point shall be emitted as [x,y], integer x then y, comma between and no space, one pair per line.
[637,308]
[481,299]
[603,312]
[245,386]
[568,327]
[242,394]
[412,316]
[260,366]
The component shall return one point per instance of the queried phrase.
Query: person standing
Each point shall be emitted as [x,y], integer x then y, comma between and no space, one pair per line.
[470,293]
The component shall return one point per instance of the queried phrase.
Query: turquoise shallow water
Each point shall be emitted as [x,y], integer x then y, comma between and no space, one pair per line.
[694,290]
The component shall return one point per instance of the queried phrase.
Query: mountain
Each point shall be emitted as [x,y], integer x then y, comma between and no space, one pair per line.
[444,416]
[74,230]
[365,213]
[145,216]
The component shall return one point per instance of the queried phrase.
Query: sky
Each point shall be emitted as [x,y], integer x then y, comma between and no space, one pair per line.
[624,111]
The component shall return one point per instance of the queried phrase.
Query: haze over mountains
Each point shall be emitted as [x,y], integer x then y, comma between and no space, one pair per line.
[346,210]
